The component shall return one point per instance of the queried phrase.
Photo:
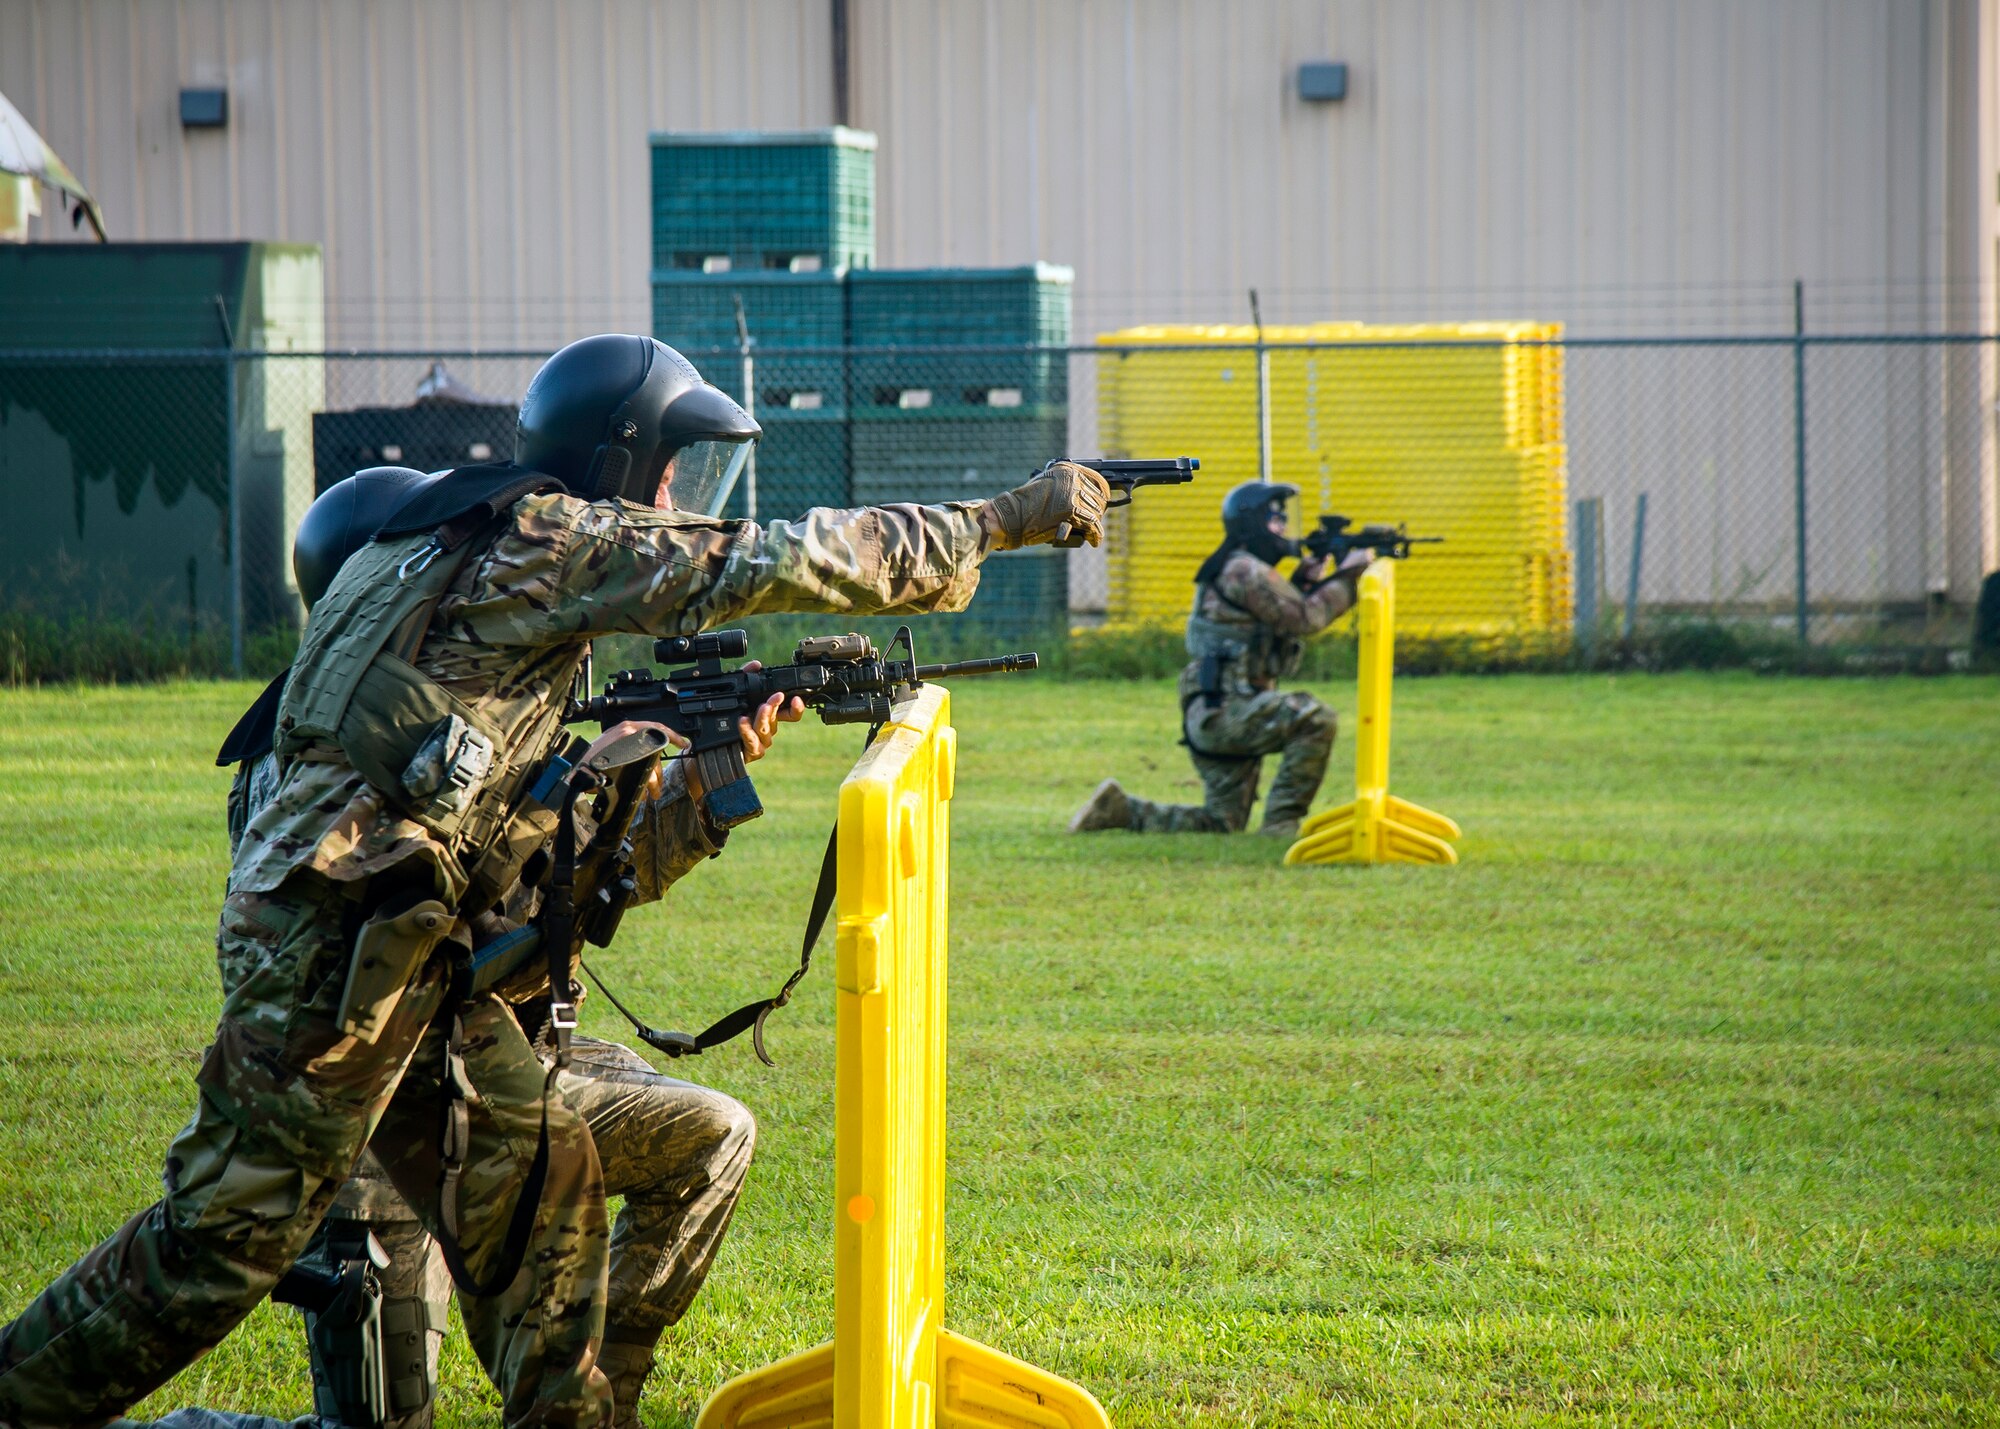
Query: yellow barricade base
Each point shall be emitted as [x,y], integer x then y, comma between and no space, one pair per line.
[1377,827]
[795,1392]
[891,1364]
[983,1389]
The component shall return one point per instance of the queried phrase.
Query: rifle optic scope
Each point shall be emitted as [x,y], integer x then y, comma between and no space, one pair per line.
[710,644]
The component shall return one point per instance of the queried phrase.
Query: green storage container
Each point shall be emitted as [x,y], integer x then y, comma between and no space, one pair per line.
[763,200]
[117,396]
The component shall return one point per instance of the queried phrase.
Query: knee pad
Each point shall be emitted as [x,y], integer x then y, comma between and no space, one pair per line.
[1315,719]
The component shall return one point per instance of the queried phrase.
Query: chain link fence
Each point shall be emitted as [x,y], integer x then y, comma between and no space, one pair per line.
[1835,491]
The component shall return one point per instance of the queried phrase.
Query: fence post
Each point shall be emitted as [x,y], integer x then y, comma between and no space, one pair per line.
[749,407]
[1638,560]
[1589,569]
[234,484]
[1799,444]
[1263,393]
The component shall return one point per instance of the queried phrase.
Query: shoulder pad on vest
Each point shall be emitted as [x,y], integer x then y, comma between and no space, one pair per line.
[465,498]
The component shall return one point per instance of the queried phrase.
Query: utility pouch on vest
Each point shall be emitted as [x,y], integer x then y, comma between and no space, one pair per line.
[389,949]
[1210,677]
[406,734]
[532,823]
[449,768]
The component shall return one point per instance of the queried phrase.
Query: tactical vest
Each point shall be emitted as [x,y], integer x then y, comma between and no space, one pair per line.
[1254,655]
[441,761]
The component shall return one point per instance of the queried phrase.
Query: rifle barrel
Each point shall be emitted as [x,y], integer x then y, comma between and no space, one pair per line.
[997,665]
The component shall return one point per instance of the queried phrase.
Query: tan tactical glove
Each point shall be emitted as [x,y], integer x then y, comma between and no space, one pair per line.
[1064,504]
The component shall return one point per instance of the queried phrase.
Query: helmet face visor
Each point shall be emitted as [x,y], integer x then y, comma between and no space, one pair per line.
[701,475]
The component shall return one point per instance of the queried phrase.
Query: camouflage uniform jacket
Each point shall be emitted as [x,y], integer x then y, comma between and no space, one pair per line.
[1257,619]
[513,626]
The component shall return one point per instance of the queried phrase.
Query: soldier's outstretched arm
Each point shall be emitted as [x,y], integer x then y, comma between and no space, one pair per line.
[628,570]
[566,568]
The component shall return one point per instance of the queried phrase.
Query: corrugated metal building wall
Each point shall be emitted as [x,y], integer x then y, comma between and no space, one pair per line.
[1629,163]
[477,171]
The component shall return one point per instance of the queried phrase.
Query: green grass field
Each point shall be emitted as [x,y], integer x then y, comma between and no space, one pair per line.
[1677,1102]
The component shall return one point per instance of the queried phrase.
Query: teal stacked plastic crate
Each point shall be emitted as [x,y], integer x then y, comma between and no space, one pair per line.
[936,424]
[774,219]
[932,425]
[996,309]
[761,200]
[801,398]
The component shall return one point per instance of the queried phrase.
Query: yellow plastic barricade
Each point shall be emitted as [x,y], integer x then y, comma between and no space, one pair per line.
[1377,827]
[1455,428]
[891,1363]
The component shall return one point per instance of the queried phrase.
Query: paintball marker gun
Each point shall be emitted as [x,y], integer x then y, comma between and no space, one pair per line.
[842,677]
[1334,540]
[1124,476]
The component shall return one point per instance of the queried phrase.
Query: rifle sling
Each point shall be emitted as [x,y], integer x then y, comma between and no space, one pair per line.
[451,1161]
[455,1134]
[749,1017]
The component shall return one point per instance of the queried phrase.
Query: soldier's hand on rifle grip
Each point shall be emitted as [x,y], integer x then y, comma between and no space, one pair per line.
[758,732]
[1063,504]
[760,729]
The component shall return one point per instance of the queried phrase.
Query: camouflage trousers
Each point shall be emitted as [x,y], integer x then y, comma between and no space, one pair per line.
[675,1151]
[286,1104]
[1228,744]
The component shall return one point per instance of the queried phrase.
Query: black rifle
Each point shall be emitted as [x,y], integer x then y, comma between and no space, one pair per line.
[841,677]
[1334,539]
[1124,475]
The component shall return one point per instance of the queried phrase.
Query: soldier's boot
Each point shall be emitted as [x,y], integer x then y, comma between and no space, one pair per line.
[626,1359]
[1108,808]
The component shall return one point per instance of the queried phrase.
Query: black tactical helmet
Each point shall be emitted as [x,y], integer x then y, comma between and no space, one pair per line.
[343,520]
[1246,519]
[606,414]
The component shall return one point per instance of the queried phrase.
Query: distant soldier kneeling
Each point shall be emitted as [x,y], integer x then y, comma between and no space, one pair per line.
[1244,635]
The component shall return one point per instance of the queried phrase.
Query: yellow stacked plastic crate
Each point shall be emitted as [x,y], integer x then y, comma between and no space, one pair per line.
[1458,432]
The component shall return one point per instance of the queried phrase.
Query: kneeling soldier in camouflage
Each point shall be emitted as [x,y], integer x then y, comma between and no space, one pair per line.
[417,735]
[1243,636]
[676,1152]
